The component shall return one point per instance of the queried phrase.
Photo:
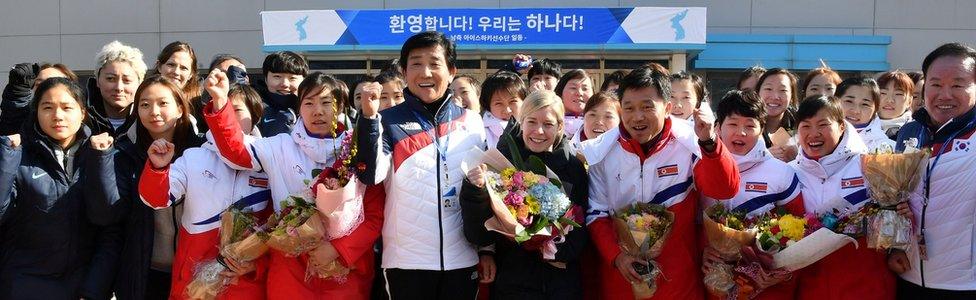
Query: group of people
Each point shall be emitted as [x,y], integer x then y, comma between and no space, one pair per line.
[116,189]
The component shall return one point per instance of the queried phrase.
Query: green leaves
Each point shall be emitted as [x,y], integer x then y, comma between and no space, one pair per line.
[516,156]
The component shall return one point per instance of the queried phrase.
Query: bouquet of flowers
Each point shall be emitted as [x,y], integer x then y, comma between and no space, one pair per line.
[529,207]
[891,178]
[727,232]
[795,244]
[642,229]
[297,228]
[241,240]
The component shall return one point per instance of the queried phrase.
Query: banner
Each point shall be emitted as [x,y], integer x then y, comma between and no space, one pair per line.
[640,25]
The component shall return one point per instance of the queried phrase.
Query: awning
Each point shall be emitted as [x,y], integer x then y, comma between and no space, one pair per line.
[797,52]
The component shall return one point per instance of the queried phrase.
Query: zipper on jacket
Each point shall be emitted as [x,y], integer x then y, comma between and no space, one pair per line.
[440,193]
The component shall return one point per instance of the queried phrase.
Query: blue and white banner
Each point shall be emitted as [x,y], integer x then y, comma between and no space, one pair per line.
[640,25]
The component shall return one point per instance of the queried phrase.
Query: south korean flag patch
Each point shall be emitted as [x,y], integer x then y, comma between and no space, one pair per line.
[961,146]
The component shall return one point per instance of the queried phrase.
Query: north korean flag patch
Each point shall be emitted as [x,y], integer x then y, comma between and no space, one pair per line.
[854,182]
[756,187]
[669,170]
[257,182]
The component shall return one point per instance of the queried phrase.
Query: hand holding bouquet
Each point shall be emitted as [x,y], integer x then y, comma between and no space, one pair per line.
[242,240]
[297,229]
[642,229]
[727,233]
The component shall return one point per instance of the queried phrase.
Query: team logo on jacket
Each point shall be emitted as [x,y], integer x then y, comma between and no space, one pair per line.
[257,182]
[410,126]
[206,173]
[669,170]
[854,182]
[756,187]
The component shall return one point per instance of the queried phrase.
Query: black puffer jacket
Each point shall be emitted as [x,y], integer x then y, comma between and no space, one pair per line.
[128,210]
[523,274]
[56,242]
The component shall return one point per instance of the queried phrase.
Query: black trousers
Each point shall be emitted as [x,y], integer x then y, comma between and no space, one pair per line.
[908,290]
[432,285]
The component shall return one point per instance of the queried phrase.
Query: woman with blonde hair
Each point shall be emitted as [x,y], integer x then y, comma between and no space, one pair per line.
[518,270]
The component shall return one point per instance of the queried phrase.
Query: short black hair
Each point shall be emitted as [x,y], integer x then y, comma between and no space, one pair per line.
[645,77]
[502,81]
[810,106]
[73,89]
[864,81]
[251,99]
[613,78]
[696,81]
[915,76]
[428,39]
[221,58]
[474,82]
[545,66]
[744,103]
[318,80]
[573,74]
[285,62]
[950,49]
[386,77]
[749,72]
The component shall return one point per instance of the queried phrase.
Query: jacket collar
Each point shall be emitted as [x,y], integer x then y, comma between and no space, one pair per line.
[850,146]
[757,155]
[418,106]
[941,134]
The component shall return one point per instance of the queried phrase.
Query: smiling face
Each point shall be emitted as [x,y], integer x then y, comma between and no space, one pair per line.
[775,93]
[820,85]
[391,95]
[820,134]
[894,101]
[548,81]
[950,88]
[283,83]
[317,112]
[239,104]
[601,118]
[740,134]
[858,105]
[427,73]
[177,68]
[59,115]
[540,129]
[158,111]
[643,112]
[465,94]
[575,94]
[684,98]
[117,82]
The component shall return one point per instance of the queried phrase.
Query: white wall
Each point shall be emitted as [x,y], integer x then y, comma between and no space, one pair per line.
[72,31]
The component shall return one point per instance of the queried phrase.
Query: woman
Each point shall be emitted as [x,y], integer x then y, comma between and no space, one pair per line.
[748,78]
[23,81]
[574,87]
[501,98]
[150,236]
[209,188]
[522,273]
[897,90]
[600,115]
[860,98]
[777,90]
[112,90]
[688,92]
[820,81]
[178,63]
[56,240]
[288,161]
[830,172]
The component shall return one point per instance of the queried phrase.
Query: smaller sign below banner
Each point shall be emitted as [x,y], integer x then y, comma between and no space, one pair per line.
[498,27]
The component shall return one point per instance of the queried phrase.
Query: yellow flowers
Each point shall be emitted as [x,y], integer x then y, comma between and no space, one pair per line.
[792,227]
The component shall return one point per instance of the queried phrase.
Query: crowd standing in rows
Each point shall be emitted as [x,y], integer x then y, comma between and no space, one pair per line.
[116,188]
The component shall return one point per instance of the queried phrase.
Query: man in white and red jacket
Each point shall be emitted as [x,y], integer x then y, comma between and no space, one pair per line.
[649,158]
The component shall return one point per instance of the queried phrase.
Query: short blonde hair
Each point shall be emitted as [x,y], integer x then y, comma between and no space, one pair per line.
[540,100]
[118,52]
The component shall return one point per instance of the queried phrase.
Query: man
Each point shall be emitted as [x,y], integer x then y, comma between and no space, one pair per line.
[650,158]
[942,265]
[417,148]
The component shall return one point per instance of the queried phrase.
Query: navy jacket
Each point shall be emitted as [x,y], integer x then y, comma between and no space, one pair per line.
[56,242]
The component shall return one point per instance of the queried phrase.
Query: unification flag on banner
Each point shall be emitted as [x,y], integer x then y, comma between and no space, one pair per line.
[639,25]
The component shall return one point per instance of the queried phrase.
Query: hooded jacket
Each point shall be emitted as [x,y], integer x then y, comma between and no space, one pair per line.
[55,240]
[522,273]
[674,173]
[835,182]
